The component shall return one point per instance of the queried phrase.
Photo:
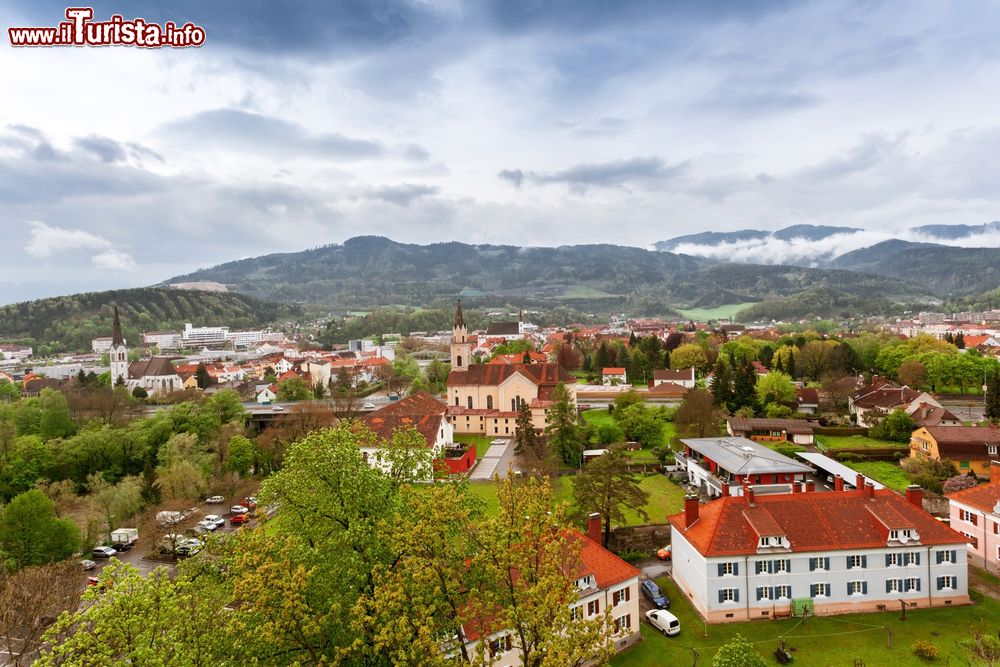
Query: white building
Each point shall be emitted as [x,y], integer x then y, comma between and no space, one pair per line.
[748,557]
[684,377]
[165,340]
[101,345]
[194,336]
[714,464]
[245,338]
[15,352]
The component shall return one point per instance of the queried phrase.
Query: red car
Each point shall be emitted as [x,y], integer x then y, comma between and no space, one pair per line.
[664,553]
[238,519]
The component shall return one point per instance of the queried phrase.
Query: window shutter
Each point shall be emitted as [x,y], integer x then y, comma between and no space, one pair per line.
[864,587]
[736,568]
[975,520]
[736,595]
[721,596]
[770,567]
[826,563]
[888,585]
[954,556]
[848,563]
[849,587]
[916,559]
[812,564]
[758,566]
[906,585]
[812,590]
[627,595]
[720,573]
[940,583]
[940,559]
[888,560]
[917,584]
[864,561]
[906,559]
[788,565]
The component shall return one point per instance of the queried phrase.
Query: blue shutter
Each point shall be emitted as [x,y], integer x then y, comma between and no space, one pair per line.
[758,566]
[849,591]
[954,556]
[760,593]
[848,564]
[736,568]
[888,585]
[864,561]
[888,560]
[864,587]
[906,559]
[916,560]
[812,564]
[736,595]
[917,582]
[940,580]
[720,573]
[721,594]
[826,563]
[788,565]
[770,567]
[906,585]
[812,590]
[940,559]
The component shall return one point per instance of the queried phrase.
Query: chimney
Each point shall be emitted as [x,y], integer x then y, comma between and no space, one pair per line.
[690,510]
[796,487]
[915,496]
[748,494]
[994,472]
[594,526]
[859,483]
[810,486]
[725,489]
[838,483]
[869,489]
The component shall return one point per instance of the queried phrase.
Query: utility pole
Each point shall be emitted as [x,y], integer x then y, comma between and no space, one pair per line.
[888,638]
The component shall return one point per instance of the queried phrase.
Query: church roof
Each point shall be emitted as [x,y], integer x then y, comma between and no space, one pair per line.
[503,329]
[117,338]
[152,367]
[495,374]
[459,318]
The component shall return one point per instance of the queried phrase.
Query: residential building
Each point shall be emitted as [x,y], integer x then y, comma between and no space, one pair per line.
[975,512]
[485,398]
[751,557]
[808,400]
[970,448]
[165,340]
[614,376]
[604,582]
[881,397]
[715,464]
[15,352]
[267,393]
[101,345]
[193,336]
[684,377]
[421,411]
[925,414]
[798,431]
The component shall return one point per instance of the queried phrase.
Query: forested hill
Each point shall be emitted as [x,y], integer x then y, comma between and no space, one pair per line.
[71,322]
[373,271]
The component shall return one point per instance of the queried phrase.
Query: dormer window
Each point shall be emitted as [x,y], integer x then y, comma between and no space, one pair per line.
[903,535]
[585,582]
[772,541]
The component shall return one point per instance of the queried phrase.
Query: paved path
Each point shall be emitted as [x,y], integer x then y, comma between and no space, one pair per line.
[496,461]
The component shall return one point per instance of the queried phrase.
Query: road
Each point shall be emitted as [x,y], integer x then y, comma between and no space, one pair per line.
[496,461]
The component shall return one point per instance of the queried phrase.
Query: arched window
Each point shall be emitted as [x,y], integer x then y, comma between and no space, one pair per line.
[513,405]
[489,402]
[469,401]
[456,401]
[458,361]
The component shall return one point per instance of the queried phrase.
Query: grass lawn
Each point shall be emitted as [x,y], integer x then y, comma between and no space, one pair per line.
[720,313]
[601,417]
[889,474]
[665,497]
[820,641]
[854,442]
[481,442]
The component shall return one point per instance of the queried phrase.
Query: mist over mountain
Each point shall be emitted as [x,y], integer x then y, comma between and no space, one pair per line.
[821,246]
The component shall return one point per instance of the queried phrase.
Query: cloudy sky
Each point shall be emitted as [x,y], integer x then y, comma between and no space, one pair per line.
[535,122]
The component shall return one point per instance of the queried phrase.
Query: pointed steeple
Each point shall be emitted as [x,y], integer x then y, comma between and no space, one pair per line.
[117,338]
[459,319]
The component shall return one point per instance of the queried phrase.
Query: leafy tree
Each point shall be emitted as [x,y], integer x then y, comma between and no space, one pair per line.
[993,396]
[605,485]
[745,386]
[151,489]
[8,391]
[115,502]
[688,355]
[775,387]
[814,359]
[202,377]
[722,384]
[562,430]
[698,416]
[958,483]
[777,411]
[293,389]
[640,425]
[30,599]
[242,454]
[140,393]
[897,426]
[30,533]
[983,646]
[55,421]
[739,652]
[626,399]
[228,404]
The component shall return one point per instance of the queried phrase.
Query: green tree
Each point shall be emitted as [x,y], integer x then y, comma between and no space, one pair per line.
[775,387]
[151,490]
[202,377]
[9,391]
[993,396]
[562,429]
[688,355]
[31,534]
[606,486]
[738,652]
[698,416]
[722,384]
[228,404]
[745,386]
[293,389]
[897,426]
[640,425]
[55,421]
[242,454]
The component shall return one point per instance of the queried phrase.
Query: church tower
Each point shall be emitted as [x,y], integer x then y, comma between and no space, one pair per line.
[461,348]
[118,354]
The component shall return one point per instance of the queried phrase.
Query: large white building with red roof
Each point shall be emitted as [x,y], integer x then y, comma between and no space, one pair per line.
[750,557]
[975,512]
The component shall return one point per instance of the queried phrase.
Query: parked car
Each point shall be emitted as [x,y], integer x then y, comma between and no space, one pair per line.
[93,581]
[215,500]
[87,565]
[665,553]
[664,621]
[204,526]
[368,406]
[215,519]
[104,552]
[238,509]
[189,547]
[121,546]
[498,441]
[238,519]
[277,408]
[653,593]
[250,502]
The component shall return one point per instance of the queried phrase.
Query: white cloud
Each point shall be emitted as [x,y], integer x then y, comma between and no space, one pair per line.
[115,260]
[46,241]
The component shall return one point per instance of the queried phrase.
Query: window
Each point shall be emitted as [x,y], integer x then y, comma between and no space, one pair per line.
[948,556]
[819,563]
[728,569]
[947,583]
[819,590]
[500,645]
[782,565]
[468,401]
[975,540]
[782,592]
[894,559]
[489,402]
[775,434]
[593,607]
[585,582]
[893,585]
[458,361]
[963,465]
[857,587]
[856,562]
[619,596]
[576,613]
[513,405]
[729,595]
[764,593]
[904,533]
[623,624]
[996,528]
[992,449]
[913,584]
[772,566]
[967,516]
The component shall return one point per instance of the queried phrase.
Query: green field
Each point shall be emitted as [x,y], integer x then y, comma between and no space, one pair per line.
[889,474]
[601,417]
[665,497]
[720,313]
[854,442]
[481,442]
[584,292]
[819,641]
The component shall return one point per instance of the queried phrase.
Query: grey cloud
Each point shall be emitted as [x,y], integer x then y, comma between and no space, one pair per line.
[870,151]
[403,195]
[416,153]
[741,100]
[107,150]
[615,173]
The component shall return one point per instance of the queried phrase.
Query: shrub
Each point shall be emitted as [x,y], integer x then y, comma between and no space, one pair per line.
[925,650]
[634,556]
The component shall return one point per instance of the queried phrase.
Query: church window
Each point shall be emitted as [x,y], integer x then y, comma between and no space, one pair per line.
[458,361]
[489,402]
[468,400]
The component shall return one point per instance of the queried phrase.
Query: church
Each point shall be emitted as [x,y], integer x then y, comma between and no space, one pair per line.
[485,398]
[156,375]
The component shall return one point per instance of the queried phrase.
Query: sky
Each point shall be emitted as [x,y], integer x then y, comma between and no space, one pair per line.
[529,122]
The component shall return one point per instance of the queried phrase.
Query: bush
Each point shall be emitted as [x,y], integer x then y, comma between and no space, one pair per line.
[634,556]
[958,483]
[925,651]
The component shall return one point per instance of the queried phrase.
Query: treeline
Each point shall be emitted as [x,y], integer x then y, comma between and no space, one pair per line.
[70,322]
[820,302]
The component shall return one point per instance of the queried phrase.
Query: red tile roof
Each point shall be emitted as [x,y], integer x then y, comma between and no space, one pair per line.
[614,371]
[495,374]
[811,521]
[983,497]
[964,441]
[685,374]
[885,396]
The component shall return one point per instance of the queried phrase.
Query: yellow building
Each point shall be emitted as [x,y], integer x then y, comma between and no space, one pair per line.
[485,398]
[968,447]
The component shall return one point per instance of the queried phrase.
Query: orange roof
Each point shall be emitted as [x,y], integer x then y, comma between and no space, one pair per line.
[811,521]
[614,371]
[983,497]
[607,568]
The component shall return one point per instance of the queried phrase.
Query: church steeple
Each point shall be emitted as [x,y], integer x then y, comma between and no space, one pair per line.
[461,348]
[459,319]
[117,337]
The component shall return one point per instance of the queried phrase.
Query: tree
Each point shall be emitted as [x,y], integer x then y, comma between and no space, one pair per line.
[984,646]
[640,425]
[606,486]
[228,405]
[775,387]
[532,451]
[993,396]
[698,416]
[242,454]
[745,387]
[293,389]
[738,653]
[688,355]
[140,393]
[150,491]
[568,357]
[522,557]
[722,384]
[8,391]
[115,502]
[562,430]
[897,426]
[55,421]
[202,377]
[30,599]
[958,483]
[30,533]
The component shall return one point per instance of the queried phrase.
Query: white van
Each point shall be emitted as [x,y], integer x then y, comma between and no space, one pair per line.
[664,621]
